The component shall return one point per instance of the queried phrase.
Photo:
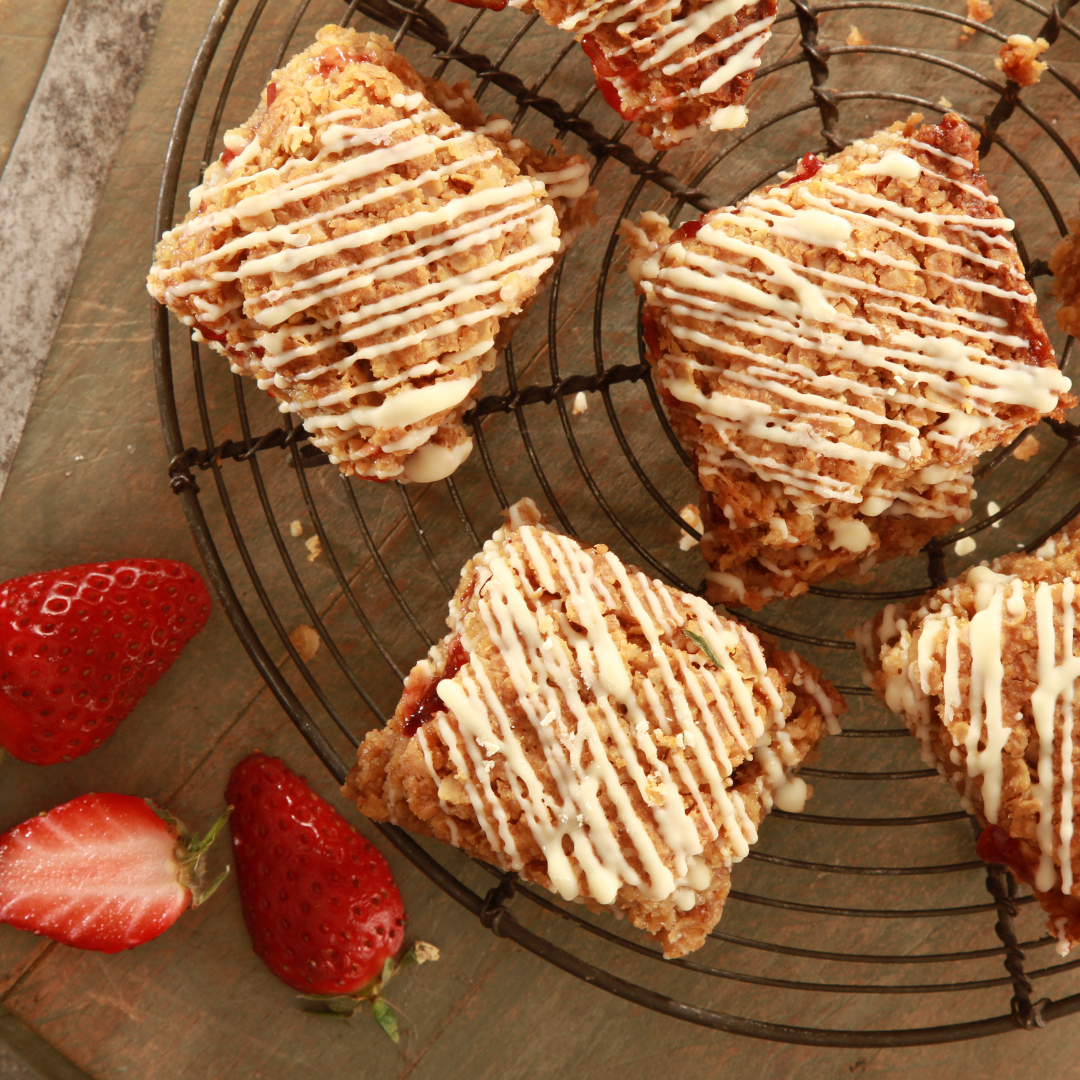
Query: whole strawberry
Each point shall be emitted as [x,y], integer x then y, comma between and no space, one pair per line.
[80,646]
[104,872]
[320,904]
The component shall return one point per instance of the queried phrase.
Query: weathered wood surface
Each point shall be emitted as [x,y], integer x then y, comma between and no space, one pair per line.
[89,482]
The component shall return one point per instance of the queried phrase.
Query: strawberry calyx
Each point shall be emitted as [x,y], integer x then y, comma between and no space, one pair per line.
[190,850]
[345,1005]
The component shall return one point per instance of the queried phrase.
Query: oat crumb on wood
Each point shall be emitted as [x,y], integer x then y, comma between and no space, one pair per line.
[1018,58]
[978,11]
[855,37]
[296,528]
[1027,448]
[314,546]
[305,642]
[691,514]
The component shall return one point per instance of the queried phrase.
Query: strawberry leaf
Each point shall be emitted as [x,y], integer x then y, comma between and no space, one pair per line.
[704,646]
[386,1019]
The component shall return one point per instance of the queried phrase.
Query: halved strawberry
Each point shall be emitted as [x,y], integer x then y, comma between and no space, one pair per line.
[104,872]
[319,901]
[80,646]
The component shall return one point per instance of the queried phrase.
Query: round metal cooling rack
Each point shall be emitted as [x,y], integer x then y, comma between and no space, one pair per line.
[868,909]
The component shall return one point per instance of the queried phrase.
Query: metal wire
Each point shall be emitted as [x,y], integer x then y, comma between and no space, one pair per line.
[390,554]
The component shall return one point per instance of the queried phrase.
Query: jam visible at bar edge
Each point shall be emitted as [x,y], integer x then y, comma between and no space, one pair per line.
[431,703]
[809,166]
[687,230]
[604,71]
[335,60]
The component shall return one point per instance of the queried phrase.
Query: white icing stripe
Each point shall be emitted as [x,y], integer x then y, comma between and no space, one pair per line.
[570,716]
[1068,704]
[939,358]
[680,33]
[984,695]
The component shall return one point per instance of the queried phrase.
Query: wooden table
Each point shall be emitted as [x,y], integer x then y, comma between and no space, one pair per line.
[90,482]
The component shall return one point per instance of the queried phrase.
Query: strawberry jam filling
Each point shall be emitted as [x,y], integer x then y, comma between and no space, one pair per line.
[809,166]
[490,5]
[687,230]
[604,71]
[335,60]
[651,333]
[995,845]
[209,334]
[271,94]
[431,703]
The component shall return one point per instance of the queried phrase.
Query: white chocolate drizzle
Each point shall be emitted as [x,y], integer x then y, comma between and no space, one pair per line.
[939,357]
[641,759]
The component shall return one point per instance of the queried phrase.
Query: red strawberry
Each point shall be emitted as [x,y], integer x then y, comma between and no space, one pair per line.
[320,904]
[104,872]
[79,647]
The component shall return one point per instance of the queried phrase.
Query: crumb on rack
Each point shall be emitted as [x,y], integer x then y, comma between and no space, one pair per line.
[965,546]
[992,508]
[305,642]
[1018,58]
[978,11]
[581,403]
[296,528]
[691,514]
[1065,265]
[944,103]
[314,546]
[1027,448]
[855,36]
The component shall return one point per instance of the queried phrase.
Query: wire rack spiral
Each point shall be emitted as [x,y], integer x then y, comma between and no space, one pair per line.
[869,915]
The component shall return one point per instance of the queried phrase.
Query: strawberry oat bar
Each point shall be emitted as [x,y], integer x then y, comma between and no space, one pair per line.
[985,671]
[362,247]
[836,352]
[671,67]
[600,734]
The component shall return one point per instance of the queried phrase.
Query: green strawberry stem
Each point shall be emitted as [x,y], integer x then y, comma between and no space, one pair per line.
[190,850]
[345,1005]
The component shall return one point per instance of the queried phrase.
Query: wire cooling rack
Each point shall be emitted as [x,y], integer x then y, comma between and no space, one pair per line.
[868,918]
